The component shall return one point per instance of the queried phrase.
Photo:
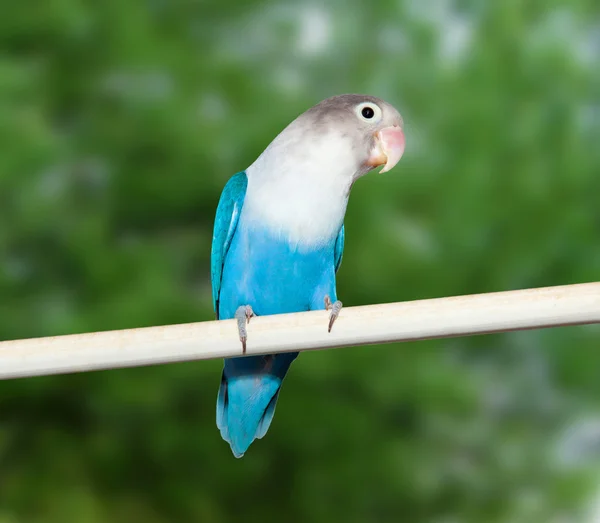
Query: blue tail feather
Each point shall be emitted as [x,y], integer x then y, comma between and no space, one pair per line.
[265,421]
[222,409]
[247,397]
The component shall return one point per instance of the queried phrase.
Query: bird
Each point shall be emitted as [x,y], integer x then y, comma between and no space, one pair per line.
[278,240]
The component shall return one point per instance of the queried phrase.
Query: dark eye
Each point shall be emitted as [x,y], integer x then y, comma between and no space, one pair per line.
[367,112]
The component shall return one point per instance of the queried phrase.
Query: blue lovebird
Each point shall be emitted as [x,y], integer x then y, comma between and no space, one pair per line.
[279,237]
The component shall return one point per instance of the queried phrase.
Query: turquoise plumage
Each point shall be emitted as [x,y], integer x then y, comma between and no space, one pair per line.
[228,215]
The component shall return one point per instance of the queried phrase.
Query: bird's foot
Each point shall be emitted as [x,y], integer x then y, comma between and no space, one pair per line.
[335,309]
[243,315]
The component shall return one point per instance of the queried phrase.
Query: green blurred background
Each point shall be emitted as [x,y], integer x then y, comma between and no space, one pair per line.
[120,122]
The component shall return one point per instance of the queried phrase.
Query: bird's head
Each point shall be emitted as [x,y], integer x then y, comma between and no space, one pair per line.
[342,138]
[368,128]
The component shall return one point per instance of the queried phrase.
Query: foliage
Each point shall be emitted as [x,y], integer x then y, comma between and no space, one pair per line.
[120,122]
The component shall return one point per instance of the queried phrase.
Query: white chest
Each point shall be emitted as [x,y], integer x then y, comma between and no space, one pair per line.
[303,215]
[298,198]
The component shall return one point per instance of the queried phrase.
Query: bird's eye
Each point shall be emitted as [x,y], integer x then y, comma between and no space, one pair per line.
[369,112]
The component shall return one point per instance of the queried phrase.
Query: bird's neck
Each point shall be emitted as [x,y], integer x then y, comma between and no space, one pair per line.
[301,203]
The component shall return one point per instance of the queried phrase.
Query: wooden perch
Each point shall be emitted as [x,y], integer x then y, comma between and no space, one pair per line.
[384,323]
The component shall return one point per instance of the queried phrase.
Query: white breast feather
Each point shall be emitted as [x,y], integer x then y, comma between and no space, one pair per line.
[301,195]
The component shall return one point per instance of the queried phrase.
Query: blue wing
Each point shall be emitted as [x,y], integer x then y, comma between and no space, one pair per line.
[226,220]
[339,248]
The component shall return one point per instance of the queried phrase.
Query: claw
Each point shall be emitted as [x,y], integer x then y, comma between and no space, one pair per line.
[335,309]
[243,315]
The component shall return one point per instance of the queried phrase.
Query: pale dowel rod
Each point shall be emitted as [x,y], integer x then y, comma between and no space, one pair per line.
[392,322]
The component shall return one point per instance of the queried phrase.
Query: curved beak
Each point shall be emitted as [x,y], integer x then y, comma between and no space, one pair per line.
[388,149]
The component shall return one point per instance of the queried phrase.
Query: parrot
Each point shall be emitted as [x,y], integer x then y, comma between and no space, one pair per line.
[278,241]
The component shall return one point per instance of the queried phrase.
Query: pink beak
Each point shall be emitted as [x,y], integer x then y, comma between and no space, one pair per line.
[389,148]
